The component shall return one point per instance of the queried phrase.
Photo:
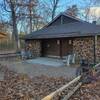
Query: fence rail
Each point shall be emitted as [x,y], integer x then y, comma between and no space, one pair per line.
[54,94]
[10,56]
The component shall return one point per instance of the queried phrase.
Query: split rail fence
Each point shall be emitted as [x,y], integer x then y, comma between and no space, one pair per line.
[66,91]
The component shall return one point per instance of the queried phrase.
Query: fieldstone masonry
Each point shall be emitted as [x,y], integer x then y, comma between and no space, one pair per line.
[98,49]
[35,47]
[83,48]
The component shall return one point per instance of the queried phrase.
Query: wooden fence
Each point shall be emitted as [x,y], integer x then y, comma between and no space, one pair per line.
[55,93]
[8,46]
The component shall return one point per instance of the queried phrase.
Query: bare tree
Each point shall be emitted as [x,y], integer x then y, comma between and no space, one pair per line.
[50,8]
[28,13]
[18,11]
[9,6]
[54,4]
[88,14]
[72,11]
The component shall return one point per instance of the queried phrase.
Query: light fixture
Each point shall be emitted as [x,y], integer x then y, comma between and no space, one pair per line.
[70,41]
[58,42]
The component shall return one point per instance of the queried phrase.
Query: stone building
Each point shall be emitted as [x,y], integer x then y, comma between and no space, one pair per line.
[67,35]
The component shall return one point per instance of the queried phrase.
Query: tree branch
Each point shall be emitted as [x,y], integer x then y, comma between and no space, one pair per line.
[5,6]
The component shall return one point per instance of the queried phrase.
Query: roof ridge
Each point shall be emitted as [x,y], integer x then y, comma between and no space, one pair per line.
[76,18]
[64,14]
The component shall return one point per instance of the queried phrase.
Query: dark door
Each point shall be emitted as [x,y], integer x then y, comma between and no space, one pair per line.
[50,48]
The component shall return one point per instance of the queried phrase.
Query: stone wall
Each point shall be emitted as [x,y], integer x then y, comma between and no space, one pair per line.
[98,49]
[35,47]
[83,48]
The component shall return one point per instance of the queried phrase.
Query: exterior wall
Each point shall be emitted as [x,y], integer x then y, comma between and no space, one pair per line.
[35,47]
[83,48]
[98,49]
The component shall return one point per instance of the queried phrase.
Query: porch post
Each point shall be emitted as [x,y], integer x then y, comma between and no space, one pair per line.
[60,48]
[95,44]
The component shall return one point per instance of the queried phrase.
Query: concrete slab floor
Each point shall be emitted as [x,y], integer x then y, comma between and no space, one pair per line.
[42,66]
[46,61]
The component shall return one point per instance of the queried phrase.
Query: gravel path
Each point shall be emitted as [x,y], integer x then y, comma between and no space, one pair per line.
[37,69]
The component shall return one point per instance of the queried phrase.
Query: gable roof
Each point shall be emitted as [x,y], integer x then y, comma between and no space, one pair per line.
[60,15]
[73,29]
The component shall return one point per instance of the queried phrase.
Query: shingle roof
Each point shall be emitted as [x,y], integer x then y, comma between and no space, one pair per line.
[75,28]
[63,14]
[66,30]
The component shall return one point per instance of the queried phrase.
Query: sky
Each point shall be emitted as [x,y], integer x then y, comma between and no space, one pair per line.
[94,10]
[81,4]
[64,4]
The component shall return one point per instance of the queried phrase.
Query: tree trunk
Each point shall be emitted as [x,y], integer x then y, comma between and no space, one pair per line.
[53,12]
[15,31]
[55,4]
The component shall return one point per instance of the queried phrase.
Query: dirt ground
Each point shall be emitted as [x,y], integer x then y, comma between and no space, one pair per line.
[24,80]
[38,70]
[41,83]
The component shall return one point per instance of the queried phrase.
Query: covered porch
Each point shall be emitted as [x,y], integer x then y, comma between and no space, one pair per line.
[83,47]
[67,37]
[56,48]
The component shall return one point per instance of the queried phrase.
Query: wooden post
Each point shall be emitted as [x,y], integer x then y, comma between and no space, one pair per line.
[95,46]
[61,40]
[60,48]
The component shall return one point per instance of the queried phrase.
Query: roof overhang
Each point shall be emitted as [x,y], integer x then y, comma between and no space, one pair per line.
[76,34]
